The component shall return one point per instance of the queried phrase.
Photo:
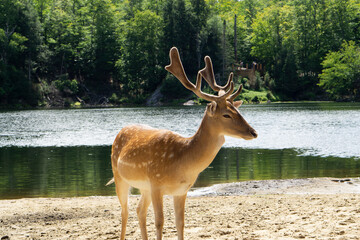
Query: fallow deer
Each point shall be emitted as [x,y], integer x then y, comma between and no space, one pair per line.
[161,162]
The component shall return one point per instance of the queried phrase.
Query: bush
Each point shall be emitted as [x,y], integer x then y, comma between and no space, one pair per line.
[66,85]
[270,96]
[258,81]
[114,98]
[15,88]
[255,99]
[341,72]
[268,81]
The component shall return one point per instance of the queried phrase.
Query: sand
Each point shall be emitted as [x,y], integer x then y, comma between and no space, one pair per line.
[279,209]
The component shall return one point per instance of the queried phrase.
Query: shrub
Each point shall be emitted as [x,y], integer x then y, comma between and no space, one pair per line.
[66,85]
[255,99]
[270,96]
[114,98]
[258,81]
[341,72]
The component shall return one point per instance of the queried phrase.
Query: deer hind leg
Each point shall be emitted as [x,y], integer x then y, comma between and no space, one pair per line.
[179,206]
[157,201]
[122,191]
[141,210]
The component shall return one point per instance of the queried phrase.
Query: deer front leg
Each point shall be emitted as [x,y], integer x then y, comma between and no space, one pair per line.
[179,206]
[141,210]
[157,201]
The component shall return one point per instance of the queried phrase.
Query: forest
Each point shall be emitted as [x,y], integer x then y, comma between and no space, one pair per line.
[62,53]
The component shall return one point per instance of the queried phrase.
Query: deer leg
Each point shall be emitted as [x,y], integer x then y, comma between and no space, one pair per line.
[157,201]
[179,206]
[141,210]
[122,191]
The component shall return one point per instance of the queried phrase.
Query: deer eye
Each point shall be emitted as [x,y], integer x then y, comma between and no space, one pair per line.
[226,116]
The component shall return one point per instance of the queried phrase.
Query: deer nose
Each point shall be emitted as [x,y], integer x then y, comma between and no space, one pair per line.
[253,133]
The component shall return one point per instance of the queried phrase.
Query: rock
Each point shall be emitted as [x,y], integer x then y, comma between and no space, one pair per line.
[189,103]
[154,99]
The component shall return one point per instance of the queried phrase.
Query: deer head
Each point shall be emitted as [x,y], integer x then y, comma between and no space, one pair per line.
[222,111]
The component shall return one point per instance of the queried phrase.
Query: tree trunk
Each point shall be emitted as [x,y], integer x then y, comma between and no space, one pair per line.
[224,50]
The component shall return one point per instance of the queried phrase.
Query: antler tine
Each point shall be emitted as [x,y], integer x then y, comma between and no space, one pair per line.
[208,74]
[228,93]
[222,92]
[235,94]
[177,69]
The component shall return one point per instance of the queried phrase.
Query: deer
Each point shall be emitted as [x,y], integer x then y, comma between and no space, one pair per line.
[160,162]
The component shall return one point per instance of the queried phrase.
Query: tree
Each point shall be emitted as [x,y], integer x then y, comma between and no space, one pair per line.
[312,39]
[183,24]
[344,16]
[58,36]
[273,44]
[21,42]
[105,40]
[341,74]
[138,66]
[199,17]
[12,45]
[250,11]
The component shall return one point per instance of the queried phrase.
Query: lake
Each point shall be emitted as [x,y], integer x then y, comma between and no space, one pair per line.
[61,153]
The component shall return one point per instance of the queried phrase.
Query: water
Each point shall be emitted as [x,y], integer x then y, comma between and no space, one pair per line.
[67,152]
[83,171]
[322,129]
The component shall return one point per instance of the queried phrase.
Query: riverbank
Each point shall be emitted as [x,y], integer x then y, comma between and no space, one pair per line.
[278,209]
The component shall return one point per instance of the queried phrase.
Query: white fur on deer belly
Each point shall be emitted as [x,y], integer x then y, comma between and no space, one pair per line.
[142,185]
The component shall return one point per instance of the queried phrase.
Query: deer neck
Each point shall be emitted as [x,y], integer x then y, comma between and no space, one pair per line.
[204,145]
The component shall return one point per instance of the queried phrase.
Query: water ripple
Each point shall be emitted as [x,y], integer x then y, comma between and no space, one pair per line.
[323,129]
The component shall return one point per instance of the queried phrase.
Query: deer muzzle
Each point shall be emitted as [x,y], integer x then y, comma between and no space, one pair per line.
[253,133]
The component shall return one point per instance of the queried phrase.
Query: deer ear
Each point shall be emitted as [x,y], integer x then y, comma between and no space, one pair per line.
[211,108]
[237,104]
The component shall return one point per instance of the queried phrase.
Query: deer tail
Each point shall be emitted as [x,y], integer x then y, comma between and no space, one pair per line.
[110,182]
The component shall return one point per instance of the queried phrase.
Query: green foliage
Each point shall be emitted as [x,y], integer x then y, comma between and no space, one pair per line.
[121,47]
[15,87]
[11,43]
[66,85]
[270,96]
[256,96]
[269,82]
[292,38]
[114,98]
[341,73]
[258,82]
[105,40]
[138,67]
[19,52]
[255,99]
[171,88]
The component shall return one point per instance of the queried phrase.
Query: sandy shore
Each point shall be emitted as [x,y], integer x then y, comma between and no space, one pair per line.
[281,209]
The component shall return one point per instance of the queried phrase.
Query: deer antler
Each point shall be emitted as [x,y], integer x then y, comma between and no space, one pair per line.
[208,74]
[177,69]
[235,94]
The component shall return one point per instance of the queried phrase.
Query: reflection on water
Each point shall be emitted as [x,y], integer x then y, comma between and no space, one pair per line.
[323,129]
[53,172]
[66,152]
[236,164]
[84,171]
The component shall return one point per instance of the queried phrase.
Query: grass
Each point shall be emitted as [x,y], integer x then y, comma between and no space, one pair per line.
[252,96]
